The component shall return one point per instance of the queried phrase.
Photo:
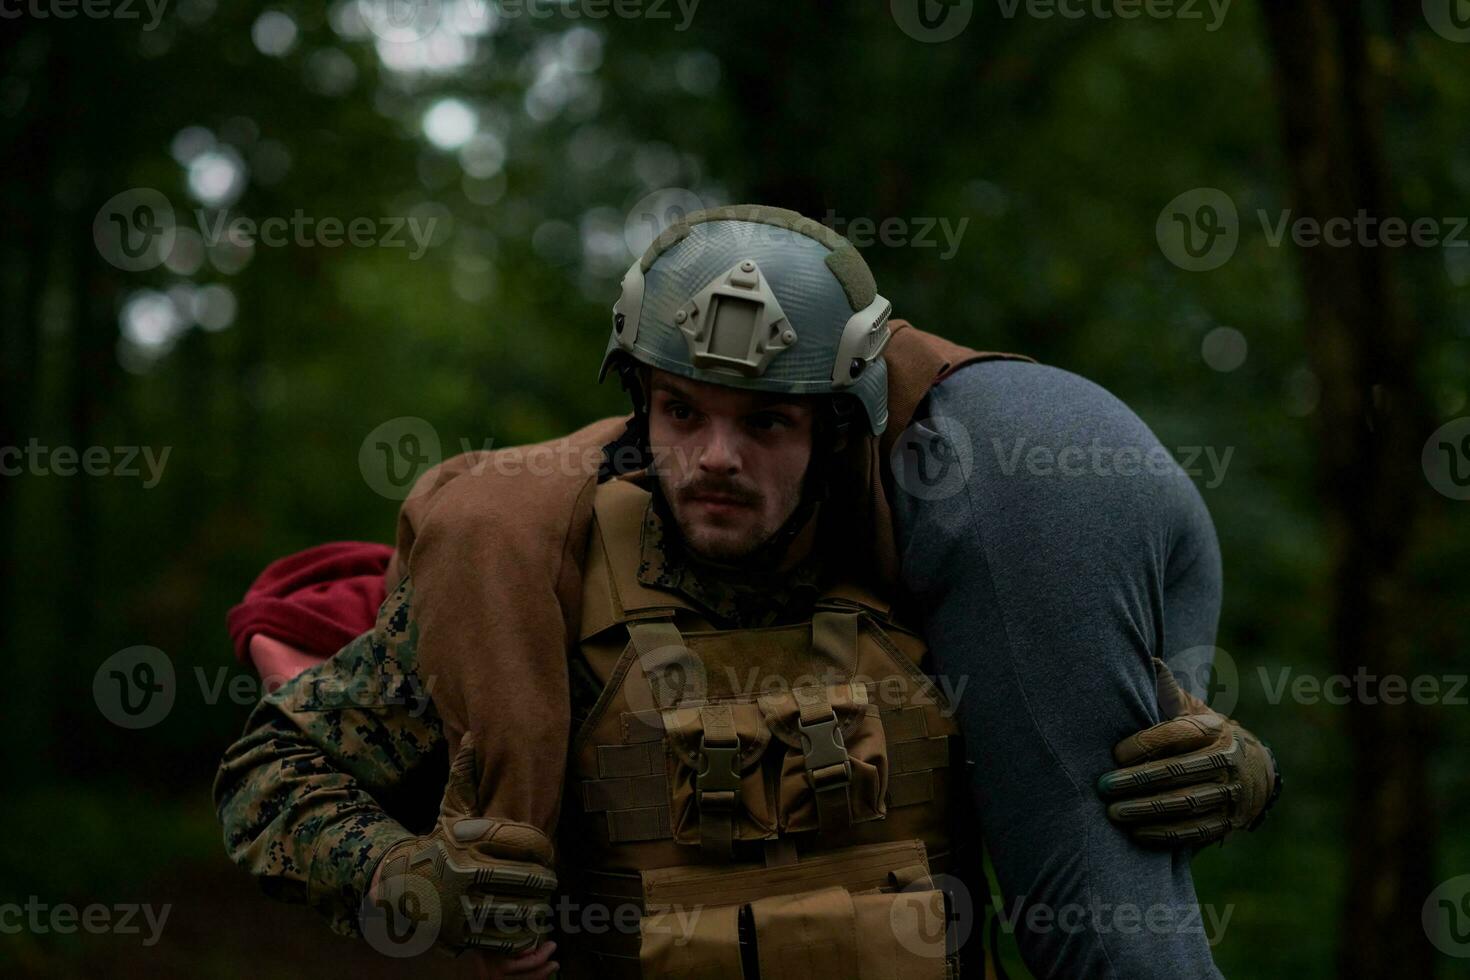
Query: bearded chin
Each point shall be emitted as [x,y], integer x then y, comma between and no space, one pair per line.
[720,545]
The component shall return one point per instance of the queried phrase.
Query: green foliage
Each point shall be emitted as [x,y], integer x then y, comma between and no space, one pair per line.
[1055,142]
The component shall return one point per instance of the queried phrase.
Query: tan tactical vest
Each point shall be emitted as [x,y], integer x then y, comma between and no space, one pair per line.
[751,803]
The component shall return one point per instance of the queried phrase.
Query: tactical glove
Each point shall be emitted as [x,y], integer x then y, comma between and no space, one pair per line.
[485,881]
[1192,779]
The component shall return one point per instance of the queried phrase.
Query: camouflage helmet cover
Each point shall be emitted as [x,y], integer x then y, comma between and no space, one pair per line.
[757,298]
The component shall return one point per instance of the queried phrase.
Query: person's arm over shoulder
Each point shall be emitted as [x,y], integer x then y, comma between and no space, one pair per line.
[301,794]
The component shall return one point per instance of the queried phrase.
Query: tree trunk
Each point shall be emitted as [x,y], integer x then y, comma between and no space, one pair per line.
[1370,426]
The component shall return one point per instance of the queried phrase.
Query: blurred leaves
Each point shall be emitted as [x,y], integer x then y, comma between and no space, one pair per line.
[1055,142]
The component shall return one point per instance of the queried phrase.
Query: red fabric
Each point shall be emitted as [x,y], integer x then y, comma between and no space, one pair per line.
[315,600]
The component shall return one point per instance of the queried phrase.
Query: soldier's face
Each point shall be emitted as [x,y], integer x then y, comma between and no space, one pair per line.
[731,462]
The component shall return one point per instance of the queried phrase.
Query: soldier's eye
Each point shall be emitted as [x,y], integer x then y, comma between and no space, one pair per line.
[767,421]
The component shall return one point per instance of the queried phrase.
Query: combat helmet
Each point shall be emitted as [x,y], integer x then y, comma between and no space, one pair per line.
[762,299]
[758,298]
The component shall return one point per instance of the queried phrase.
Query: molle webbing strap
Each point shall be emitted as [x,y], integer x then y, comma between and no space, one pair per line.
[632,790]
[630,826]
[669,670]
[910,788]
[625,793]
[912,767]
[919,755]
[835,639]
[912,755]
[834,643]
[846,595]
[718,783]
[904,724]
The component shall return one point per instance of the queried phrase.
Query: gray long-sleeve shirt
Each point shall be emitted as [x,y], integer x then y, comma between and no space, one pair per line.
[1053,547]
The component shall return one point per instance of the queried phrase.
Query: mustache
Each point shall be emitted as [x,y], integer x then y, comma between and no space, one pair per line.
[719,488]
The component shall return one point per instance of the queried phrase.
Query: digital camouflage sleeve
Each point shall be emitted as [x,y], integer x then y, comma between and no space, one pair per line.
[330,768]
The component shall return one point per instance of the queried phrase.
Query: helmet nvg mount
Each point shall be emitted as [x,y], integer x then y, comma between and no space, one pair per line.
[757,298]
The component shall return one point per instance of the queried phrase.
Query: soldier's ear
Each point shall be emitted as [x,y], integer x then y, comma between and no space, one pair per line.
[635,378]
[835,424]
